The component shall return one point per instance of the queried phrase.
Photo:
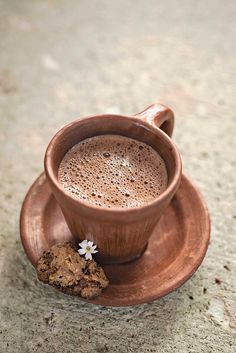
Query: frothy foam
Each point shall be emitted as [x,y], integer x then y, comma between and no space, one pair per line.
[113,171]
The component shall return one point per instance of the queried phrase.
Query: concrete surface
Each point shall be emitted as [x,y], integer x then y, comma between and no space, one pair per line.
[64,59]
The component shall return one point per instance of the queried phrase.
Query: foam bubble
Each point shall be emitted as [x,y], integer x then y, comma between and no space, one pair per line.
[113,171]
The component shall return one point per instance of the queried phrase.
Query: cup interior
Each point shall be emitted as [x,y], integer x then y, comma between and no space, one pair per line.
[131,127]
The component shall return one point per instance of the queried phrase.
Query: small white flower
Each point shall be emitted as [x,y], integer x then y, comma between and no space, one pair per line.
[87,249]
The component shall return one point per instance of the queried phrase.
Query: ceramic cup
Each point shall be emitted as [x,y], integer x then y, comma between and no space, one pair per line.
[121,235]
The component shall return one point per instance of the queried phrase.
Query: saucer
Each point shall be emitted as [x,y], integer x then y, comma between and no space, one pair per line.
[174,252]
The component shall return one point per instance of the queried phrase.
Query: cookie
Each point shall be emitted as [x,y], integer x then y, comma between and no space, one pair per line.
[62,266]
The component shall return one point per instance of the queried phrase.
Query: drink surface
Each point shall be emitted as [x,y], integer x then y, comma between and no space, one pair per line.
[113,171]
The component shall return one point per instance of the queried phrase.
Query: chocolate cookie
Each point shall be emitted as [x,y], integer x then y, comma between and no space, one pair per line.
[63,267]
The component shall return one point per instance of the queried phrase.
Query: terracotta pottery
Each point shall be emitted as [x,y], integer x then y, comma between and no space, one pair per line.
[175,250]
[121,235]
[166,239]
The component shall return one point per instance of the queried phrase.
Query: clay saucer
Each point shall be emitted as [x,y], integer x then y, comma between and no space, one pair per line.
[175,250]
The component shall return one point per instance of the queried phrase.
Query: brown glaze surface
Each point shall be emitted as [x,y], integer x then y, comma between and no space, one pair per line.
[120,234]
[176,248]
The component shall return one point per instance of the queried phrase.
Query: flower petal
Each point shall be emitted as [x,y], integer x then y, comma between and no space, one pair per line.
[90,243]
[94,251]
[83,244]
[88,256]
[82,251]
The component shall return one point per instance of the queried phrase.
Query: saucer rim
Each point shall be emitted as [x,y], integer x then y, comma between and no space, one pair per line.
[101,300]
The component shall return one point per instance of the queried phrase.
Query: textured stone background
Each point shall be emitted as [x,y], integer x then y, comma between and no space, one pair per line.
[64,59]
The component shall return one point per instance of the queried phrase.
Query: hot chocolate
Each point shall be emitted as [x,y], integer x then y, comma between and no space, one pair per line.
[113,171]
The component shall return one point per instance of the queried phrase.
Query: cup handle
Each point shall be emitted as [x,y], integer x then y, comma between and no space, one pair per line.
[159,116]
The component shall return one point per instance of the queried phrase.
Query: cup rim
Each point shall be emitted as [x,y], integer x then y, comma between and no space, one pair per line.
[113,211]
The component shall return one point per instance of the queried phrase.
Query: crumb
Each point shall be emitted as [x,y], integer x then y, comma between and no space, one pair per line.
[190,297]
[49,319]
[226,267]
[63,267]
[218,281]
[204,290]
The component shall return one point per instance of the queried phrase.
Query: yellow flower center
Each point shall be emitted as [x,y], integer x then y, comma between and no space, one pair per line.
[88,248]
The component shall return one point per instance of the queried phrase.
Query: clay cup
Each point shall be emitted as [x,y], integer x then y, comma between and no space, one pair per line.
[121,235]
